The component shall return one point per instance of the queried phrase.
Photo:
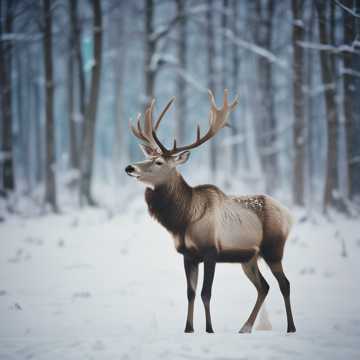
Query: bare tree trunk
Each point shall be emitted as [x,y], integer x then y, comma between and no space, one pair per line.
[298,104]
[235,149]
[211,73]
[120,153]
[224,26]
[349,36]
[80,65]
[180,80]
[50,164]
[331,176]
[271,163]
[6,49]
[150,46]
[87,153]
[22,105]
[266,139]
[29,104]
[38,138]
[310,114]
[73,148]
[355,160]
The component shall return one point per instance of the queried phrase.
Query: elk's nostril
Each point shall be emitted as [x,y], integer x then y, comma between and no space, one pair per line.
[129,169]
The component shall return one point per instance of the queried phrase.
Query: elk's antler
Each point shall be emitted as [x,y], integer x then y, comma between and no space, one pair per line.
[217,120]
[146,134]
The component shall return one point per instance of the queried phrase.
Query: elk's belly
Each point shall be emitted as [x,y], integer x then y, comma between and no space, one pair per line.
[238,229]
[231,230]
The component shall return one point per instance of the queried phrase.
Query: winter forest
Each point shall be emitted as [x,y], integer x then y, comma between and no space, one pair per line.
[75,235]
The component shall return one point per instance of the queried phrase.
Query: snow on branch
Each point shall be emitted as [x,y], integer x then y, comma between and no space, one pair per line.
[275,148]
[164,29]
[328,47]
[320,89]
[350,11]
[233,140]
[21,37]
[355,160]
[255,49]
[158,59]
[190,80]
[347,71]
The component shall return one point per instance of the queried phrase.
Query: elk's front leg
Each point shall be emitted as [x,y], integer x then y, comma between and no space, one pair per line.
[209,271]
[191,271]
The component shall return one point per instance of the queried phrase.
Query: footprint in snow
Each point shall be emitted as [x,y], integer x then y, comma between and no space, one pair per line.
[82,295]
[98,346]
[307,271]
[15,307]
[34,241]
[19,256]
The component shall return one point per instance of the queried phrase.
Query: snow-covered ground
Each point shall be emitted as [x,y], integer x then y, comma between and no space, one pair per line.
[109,285]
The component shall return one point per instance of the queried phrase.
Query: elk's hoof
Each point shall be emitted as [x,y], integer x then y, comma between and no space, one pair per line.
[246,329]
[291,329]
[188,329]
[210,330]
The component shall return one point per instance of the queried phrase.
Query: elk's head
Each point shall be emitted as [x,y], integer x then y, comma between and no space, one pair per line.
[161,162]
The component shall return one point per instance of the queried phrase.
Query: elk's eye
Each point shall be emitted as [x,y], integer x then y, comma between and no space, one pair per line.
[158,163]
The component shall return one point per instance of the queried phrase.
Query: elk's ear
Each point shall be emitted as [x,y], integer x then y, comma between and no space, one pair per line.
[182,157]
[147,150]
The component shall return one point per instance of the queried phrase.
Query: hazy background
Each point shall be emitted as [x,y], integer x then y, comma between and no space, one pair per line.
[85,273]
[74,72]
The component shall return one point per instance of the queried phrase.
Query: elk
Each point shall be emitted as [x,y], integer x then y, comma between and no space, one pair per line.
[206,224]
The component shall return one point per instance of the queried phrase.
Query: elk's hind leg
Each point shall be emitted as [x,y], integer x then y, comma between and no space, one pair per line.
[252,271]
[284,284]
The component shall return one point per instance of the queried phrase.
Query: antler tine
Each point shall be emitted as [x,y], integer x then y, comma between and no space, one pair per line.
[212,99]
[226,98]
[235,103]
[163,149]
[148,127]
[137,130]
[146,135]
[198,133]
[217,120]
[166,108]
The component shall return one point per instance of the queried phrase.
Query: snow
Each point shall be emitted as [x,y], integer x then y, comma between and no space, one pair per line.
[100,284]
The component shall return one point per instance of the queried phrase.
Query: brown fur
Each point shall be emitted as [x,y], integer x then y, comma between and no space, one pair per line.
[169,204]
[176,205]
[206,224]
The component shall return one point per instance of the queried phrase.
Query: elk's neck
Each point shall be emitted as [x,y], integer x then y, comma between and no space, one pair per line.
[170,204]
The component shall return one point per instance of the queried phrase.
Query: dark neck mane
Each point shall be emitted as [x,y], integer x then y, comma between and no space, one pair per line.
[170,204]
